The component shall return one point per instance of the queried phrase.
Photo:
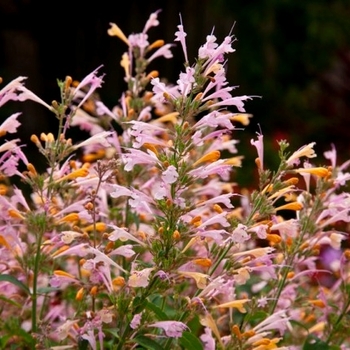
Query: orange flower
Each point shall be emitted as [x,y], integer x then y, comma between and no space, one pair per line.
[210,157]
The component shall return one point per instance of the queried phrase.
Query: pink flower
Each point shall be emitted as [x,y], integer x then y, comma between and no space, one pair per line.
[91,79]
[304,151]
[172,329]
[121,234]
[16,91]
[216,219]
[218,167]
[239,234]
[9,145]
[332,156]
[215,119]
[151,22]
[163,51]
[276,321]
[140,278]
[65,329]
[161,89]
[233,101]
[180,35]
[170,175]
[208,339]
[99,138]
[259,144]
[90,337]
[187,82]
[134,156]
[136,320]
[124,250]
[10,125]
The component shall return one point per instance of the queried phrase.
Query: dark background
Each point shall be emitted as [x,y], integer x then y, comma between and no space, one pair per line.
[295,54]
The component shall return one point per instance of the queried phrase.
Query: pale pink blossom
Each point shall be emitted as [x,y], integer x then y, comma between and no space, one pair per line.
[218,167]
[125,250]
[140,278]
[180,36]
[136,321]
[208,339]
[260,230]
[304,151]
[16,91]
[259,145]
[123,235]
[163,51]
[233,101]
[152,21]
[240,234]
[160,88]
[215,219]
[91,80]
[135,157]
[277,321]
[9,145]
[170,175]
[172,329]
[99,138]
[186,82]
[11,124]
[64,330]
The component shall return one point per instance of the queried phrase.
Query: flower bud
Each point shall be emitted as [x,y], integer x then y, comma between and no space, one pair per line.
[80,294]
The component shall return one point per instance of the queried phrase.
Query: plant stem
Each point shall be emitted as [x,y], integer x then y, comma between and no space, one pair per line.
[35,282]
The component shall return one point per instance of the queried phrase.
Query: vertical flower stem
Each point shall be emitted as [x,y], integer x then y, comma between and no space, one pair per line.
[35,282]
[337,322]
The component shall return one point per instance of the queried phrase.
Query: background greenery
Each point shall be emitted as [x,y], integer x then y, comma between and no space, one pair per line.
[294,54]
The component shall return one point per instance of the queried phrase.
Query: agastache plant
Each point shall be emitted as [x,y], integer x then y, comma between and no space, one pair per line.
[139,237]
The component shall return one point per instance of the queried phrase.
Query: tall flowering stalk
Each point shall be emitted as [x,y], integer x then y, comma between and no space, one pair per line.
[139,236]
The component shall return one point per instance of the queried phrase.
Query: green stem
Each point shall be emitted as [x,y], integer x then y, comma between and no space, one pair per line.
[221,257]
[290,261]
[337,322]
[35,283]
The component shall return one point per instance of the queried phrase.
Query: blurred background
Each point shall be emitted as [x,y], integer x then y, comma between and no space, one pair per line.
[294,54]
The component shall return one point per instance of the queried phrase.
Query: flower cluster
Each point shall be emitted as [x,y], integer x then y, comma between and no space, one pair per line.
[138,237]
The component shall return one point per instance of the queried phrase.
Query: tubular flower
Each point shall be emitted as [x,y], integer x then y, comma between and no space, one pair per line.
[305,151]
[209,157]
[114,30]
[172,329]
[200,278]
[290,206]
[237,304]
[318,171]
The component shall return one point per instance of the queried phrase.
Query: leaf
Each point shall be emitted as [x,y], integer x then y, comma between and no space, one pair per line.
[190,341]
[10,302]
[114,331]
[16,282]
[83,344]
[312,342]
[162,316]
[45,290]
[147,343]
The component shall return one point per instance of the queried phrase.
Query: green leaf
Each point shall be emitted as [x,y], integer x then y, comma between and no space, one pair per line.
[7,300]
[190,341]
[312,342]
[3,341]
[83,344]
[45,290]
[114,331]
[16,282]
[147,343]
[161,315]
